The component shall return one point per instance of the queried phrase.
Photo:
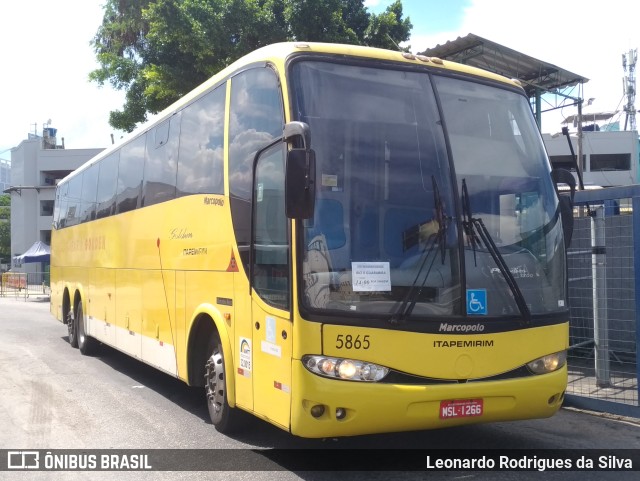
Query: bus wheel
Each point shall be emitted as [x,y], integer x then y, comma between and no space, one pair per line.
[86,344]
[223,417]
[72,328]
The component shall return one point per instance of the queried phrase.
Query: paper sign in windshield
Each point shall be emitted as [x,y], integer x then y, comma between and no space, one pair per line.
[370,276]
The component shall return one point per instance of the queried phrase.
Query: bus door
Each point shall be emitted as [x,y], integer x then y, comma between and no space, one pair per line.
[271,293]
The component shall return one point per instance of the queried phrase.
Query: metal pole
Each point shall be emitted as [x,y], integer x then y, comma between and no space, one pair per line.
[600,320]
[579,165]
[539,108]
[636,276]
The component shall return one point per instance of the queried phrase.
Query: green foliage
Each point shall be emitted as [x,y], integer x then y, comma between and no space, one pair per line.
[5,227]
[388,29]
[333,21]
[158,50]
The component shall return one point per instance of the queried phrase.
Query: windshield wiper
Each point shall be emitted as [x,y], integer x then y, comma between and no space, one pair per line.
[475,229]
[409,301]
[441,218]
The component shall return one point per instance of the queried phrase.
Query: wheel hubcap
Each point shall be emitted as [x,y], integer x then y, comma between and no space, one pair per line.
[215,385]
[70,324]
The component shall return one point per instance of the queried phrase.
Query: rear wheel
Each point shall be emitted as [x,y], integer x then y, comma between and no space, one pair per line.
[86,344]
[72,327]
[225,418]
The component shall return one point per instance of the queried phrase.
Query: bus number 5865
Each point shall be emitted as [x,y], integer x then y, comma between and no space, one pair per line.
[350,342]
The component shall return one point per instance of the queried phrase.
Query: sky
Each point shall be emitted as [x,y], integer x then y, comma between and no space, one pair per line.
[46,55]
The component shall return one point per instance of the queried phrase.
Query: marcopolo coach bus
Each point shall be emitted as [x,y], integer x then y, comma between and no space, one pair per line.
[339,240]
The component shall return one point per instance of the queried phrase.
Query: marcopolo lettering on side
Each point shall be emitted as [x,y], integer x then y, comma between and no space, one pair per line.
[446,327]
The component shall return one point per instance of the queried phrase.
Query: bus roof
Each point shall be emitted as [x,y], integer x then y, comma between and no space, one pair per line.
[279,53]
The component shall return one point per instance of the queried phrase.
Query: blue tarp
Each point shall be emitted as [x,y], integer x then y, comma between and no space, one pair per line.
[38,252]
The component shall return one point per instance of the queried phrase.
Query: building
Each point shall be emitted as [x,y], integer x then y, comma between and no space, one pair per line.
[37,164]
[609,158]
[5,174]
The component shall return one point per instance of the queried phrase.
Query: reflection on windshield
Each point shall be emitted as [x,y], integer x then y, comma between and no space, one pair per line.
[380,150]
[499,157]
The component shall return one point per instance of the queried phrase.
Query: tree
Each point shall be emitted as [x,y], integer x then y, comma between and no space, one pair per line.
[388,29]
[5,228]
[158,50]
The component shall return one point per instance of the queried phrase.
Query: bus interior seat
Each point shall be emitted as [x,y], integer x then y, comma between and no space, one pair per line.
[329,221]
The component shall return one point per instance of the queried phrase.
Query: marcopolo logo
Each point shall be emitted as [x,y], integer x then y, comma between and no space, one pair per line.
[446,327]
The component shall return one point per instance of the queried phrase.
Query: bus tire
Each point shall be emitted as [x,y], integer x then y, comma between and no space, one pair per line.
[86,344]
[224,418]
[72,327]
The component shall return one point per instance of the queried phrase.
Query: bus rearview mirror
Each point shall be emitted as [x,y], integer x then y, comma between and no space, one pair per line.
[300,183]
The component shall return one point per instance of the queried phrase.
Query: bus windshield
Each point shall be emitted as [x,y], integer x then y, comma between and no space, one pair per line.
[390,236]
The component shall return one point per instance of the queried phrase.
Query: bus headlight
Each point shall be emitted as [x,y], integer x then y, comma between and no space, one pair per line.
[549,363]
[347,369]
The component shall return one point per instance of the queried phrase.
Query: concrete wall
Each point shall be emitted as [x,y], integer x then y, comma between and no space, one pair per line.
[34,172]
[601,143]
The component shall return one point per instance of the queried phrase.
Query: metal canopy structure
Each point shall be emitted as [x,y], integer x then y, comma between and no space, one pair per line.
[537,77]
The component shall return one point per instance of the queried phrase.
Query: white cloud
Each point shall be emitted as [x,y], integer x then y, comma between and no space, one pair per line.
[46,55]
[586,38]
[371,3]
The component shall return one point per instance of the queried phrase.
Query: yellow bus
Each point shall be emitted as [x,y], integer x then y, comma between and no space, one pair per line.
[339,240]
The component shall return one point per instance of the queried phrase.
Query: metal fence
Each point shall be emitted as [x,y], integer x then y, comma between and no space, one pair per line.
[25,284]
[604,297]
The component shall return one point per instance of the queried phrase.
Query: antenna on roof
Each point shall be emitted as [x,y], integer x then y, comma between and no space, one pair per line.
[629,85]
[394,42]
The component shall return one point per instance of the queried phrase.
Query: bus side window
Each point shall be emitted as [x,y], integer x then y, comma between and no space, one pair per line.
[161,162]
[60,211]
[256,118]
[271,243]
[201,160]
[74,199]
[88,198]
[130,166]
[106,197]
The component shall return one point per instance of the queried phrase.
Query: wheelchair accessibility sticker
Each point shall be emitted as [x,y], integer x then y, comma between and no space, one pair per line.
[477,302]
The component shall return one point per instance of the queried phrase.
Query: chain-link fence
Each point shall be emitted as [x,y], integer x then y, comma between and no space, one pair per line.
[24,284]
[604,266]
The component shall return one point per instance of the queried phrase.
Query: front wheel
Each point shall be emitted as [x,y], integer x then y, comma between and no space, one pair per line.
[225,418]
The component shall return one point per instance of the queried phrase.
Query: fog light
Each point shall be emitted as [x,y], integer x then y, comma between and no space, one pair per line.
[317,410]
[341,413]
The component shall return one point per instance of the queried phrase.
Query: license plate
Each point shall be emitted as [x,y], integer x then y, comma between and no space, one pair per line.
[461,408]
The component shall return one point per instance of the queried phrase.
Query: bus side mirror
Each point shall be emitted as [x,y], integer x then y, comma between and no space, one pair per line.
[300,184]
[300,174]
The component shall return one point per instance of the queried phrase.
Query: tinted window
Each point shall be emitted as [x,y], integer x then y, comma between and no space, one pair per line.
[89,188]
[130,174]
[256,119]
[60,209]
[201,168]
[161,162]
[600,162]
[106,197]
[271,244]
[74,199]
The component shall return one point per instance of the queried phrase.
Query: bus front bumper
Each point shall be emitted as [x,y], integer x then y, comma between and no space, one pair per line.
[324,407]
